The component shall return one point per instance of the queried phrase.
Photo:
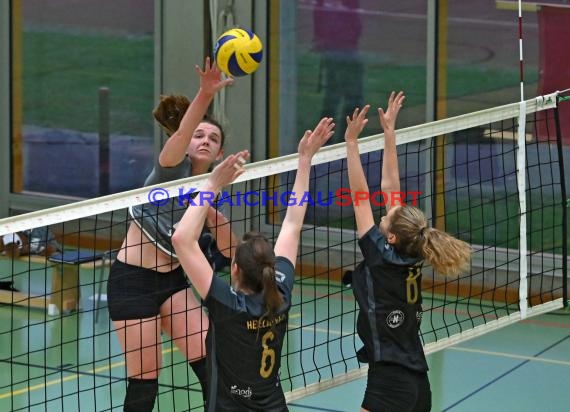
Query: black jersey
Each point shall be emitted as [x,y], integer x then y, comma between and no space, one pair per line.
[244,353]
[387,287]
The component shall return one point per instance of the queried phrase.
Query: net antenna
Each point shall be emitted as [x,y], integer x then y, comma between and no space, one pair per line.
[521,61]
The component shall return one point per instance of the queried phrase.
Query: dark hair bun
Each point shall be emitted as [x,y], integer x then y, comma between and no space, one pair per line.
[170,111]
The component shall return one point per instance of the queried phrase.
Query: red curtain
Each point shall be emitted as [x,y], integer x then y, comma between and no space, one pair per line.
[554,70]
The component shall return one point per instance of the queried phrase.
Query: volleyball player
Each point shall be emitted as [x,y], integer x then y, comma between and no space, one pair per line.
[248,320]
[148,292]
[387,284]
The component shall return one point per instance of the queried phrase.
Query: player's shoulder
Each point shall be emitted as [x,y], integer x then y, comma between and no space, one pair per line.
[284,269]
[284,263]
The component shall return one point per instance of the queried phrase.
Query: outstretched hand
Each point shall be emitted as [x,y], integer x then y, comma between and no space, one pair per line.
[388,118]
[356,123]
[313,140]
[211,80]
[228,170]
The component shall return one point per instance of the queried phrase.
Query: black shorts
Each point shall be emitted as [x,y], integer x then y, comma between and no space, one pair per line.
[137,293]
[393,388]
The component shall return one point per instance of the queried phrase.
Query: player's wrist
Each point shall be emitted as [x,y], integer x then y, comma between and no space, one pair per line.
[206,93]
[305,160]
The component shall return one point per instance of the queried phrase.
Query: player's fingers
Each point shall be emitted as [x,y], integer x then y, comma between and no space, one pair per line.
[321,125]
[238,160]
[227,82]
[244,154]
[402,98]
[355,112]
[364,111]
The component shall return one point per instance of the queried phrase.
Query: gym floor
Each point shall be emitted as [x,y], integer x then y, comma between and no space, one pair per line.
[522,367]
[73,362]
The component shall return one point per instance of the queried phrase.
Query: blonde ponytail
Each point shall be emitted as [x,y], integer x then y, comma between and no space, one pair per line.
[445,253]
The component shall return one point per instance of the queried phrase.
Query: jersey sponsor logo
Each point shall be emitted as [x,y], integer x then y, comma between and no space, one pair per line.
[395,318]
[244,393]
[279,276]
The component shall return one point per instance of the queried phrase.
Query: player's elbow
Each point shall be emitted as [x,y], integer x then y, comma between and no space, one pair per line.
[184,245]
[170,158]
[164,160]
[179,241]
[390,185]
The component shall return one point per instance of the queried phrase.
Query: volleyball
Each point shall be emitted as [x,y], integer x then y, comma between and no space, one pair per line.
[238,52]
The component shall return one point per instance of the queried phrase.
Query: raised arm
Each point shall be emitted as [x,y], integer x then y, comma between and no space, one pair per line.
[356,177]
[390,173]
[211,82]
[221,229]
[288,240]
[185,239]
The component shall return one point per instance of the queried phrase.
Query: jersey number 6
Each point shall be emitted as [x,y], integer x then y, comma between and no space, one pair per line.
[412,287]
[267,356]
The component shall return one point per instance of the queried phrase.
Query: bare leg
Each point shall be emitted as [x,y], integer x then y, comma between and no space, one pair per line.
[141,343]
[187,324]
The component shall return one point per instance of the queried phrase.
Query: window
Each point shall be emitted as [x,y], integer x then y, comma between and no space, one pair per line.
[76,64]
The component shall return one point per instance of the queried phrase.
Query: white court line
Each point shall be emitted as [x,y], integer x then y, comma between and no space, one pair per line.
[510,355]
